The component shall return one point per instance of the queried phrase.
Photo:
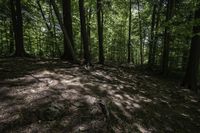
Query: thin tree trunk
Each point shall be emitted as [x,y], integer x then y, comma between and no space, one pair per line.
[11,50]
[167,36]
[89,15]
[152,41]
[100,31]
[129,32]
[84,34]
[72,57]
[140,32]
[156,32]
[67,19]
[43,15]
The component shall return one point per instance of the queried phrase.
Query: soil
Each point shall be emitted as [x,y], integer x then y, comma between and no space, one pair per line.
[53,96]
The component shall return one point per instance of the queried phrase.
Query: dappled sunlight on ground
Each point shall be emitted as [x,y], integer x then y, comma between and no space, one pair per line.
[55,96]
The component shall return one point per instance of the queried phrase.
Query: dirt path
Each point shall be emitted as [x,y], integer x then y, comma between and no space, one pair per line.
[52,96]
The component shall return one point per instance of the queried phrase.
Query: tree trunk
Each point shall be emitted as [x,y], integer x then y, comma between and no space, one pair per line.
[89,16]
[190,79]
[17,27]
[72,57]
[156,32]
[67,19]
[152,41]
[129,32]
[12,47]
[84,34]
[100,31]
[140,33]
[167,36]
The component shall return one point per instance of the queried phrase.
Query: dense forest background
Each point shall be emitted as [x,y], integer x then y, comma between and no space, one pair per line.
[141,32]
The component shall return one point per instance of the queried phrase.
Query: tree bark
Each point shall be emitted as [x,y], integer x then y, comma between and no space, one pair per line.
[156,32]
[72,57]
[140,33]
[151,44]
[100,31]
[167,37]
[190,79]
[12,47]
[129,32]
[17,27]
[84,33]
[67,19]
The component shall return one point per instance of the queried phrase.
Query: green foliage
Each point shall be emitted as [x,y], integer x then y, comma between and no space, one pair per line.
[40,42]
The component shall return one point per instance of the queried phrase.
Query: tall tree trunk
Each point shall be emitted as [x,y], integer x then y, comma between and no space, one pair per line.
[100,31]
[67,19]
[140,33]
[156,32]
[17,27]
[12,47]
[89,15]
[69,46]
[190,79]
[84,34]
[167,36]
[152,41]
[129,32]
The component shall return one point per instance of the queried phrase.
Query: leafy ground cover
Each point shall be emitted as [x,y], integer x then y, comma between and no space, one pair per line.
[54,96]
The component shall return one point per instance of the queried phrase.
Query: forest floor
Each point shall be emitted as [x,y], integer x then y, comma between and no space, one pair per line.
[52,96]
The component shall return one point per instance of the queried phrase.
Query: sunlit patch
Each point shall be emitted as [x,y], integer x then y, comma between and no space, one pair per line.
[120,87]
[141,129]
[118,96]
[147,100]
[111,92]
[74,81]
[71,95]
[105,87]
[135,105]
[121,107]
[90,100]
[81,128]
[185,115]
[194,101]
[128,97]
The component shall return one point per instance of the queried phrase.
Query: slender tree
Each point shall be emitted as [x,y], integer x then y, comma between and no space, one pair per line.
[129,31]
[89,17]
[167,36]
[152,41]
[100,31]
[11,49]
[84,33]
[67,19]
[17,22]
[69,46]
[140,33]
[43,15]
[156,34]
[190,79]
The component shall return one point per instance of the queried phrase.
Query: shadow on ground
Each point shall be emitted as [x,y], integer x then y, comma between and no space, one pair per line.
[39,96]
